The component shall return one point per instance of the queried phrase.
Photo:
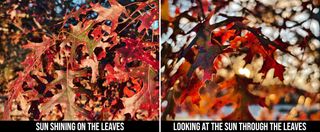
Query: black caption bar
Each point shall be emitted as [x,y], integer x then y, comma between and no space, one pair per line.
[244,126]
[79,126]
[153,126]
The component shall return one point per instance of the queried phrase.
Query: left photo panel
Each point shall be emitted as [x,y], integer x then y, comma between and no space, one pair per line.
[79,60]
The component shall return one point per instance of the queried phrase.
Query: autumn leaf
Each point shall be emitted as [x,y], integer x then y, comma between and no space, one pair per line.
[148,18]
[134,49]
[113,13]
[66,97]
[87,68]
[143,97]
[31,62]
[239,96]
[192,90]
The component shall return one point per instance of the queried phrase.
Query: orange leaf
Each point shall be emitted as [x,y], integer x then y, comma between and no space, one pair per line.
[192,90]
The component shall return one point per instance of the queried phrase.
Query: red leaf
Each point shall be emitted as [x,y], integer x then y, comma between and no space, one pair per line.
[135,49]
[148,18]
[236,42]
[270,63]
[227,35]
[192,90]
[32,61]
[129,91]
[255,47]
[101,55]
[239,96]
[113,13]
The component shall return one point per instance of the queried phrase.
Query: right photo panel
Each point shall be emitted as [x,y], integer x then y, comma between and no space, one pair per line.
[240,60]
